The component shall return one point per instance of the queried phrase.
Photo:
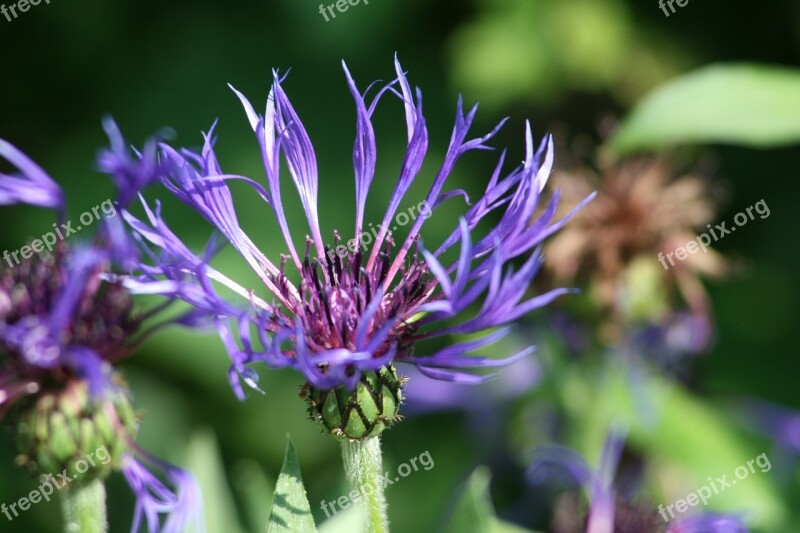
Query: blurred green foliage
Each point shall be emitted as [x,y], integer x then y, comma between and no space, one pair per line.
[565,65]
[763,110]
[539,51]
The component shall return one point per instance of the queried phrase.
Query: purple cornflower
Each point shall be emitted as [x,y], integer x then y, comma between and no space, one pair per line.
[64,320]
[610,512]
[355,306]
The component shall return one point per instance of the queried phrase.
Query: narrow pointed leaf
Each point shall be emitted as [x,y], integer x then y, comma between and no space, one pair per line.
[291,512]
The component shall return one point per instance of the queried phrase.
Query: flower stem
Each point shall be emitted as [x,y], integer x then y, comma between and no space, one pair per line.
[83,507]
[363,466]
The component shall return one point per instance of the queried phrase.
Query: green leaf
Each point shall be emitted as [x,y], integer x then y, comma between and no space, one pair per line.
[474,511]
[204,461]
[290,510]
[747,104]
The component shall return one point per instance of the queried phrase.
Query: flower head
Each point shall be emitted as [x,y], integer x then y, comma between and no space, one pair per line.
[642,212]
[65,319]
[341,309]
[58,317]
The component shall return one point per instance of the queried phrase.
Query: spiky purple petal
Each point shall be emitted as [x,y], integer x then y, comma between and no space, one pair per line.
[32,186]
[180,501]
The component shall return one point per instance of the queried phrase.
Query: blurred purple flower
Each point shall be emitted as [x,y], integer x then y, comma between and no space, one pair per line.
[677,335]
[59,316]
[359,306]
[64,317]
[608,513]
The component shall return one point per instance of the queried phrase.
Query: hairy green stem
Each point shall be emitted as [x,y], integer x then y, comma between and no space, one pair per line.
[364,468]
[84,507]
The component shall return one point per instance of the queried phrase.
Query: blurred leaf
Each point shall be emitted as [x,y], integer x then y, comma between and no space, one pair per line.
[290,510]
[254,490]
[474,511]
[539,51]
[748,104]
[205,463]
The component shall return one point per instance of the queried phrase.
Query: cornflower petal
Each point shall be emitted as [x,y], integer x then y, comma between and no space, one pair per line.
[33,186]
[300,157]
[181,502]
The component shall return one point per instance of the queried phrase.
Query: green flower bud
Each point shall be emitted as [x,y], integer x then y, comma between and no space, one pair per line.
[67,430]
[361,413]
